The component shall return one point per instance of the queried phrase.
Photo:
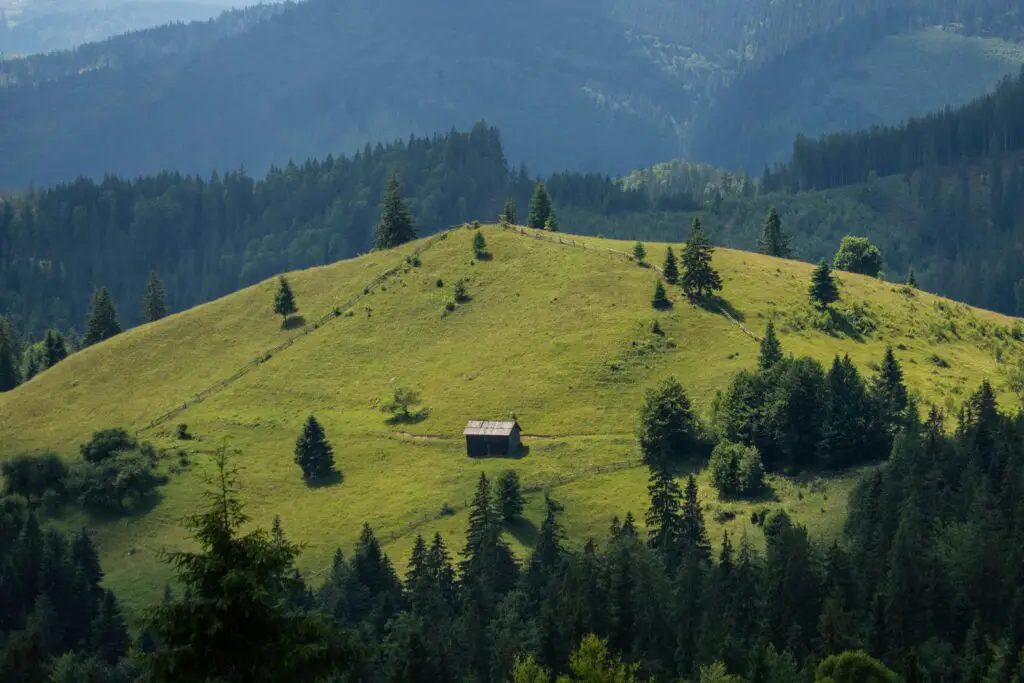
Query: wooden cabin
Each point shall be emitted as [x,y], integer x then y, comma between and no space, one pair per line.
[484,438]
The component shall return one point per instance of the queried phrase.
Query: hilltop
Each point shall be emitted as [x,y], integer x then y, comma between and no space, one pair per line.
[558,334]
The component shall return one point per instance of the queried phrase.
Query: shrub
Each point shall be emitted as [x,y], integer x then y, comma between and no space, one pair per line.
[401,401]
[449,304]
[461,295]
[106,443]
[447,510]
[439,283]
[114,484]
[183,434]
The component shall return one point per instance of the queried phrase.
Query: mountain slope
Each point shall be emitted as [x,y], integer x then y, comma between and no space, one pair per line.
[557,334]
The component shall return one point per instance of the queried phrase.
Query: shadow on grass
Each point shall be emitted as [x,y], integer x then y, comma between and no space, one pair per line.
[523,451]
[332,479]
[842,324]
[134,506]
[293,322]
[409,418]
[765,495]
[484,256]
[716,304]
[523,530]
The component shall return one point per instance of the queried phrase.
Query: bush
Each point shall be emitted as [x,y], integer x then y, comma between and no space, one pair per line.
[183,434]
[106,443]
[858,255]
[736,470]
[461,295]
[439,283]
[449,304]
[117,483]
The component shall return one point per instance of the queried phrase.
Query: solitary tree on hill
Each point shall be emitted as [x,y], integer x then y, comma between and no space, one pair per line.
[284,300]
[771,349]
[154,301]
[102,322]
[773,241]
[911,278]
[858,255]
[400,404]
[671,268]
[552,224]
[660,299]
[699,279]
[313,453]
[540,208]
[823,286]
[639,252]
[54,348]
[8,367]
[396,224]
[508,214]
[479,244]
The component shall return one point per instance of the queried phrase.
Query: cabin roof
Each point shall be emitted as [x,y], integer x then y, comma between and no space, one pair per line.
[489,428]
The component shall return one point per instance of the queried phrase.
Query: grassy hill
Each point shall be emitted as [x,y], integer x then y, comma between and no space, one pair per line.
[557,333]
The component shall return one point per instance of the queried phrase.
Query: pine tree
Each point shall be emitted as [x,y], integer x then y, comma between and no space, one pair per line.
[671,268]
[154,301]
[548,551]
[664,522]
[102,322]
[540,208]
[667,423]
[109,632]
[639,252]
[85,558]
[693,535]
[313,453]
[699,278]
[442,572]
[479,244]
[823,289]
[284,300]
[774,241]
[552,224]
[660,299]
[889,391]
[508,214]
[911,278]
[9,376]
[417,571]
[54,348]
[509,496]
[771,349]
[233,624]
[487,565]
[396,224]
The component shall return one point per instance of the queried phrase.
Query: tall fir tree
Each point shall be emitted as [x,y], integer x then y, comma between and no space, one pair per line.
[54,348]
[109,631]
[889,391]
[9,375]
[664,521]
[396,224]
[671,268]
[552,224]
[509,497]
[313,453]
[540,208]
[771,348]
[640,253]
[774,241]
[154,299]
[668,426]
[102,322]
[693,535]
[508,213]
[911,278]
[660,298]
[487,567]
[284,300]
[823,290]
[699,278]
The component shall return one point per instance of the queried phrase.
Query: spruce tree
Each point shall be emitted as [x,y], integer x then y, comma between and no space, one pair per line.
[548,550]
[154,300]
[640,253]
[102,322]
[540,208]
[508,214]
[109,632]
[417,570]
[233,624]
[313,453]
[693,535]
[823,289]
[9,376]
[911,278]
[509,496]
[479,244]
[668,426]
[396,224]
[699,278]
[774,241]
[552,224]
[664,522]
[284,300]
[889,391]
[54,348]
[660,299]
[771,349]
[671,268]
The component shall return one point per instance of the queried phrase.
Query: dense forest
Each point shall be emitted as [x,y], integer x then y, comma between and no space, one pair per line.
[925,583]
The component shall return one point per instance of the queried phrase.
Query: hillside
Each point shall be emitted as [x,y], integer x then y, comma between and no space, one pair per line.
[641,78]
[557,334]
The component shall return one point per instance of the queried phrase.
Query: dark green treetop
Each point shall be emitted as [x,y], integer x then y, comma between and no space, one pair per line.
[774,241]
[771,349]
[396,223]
[313,453]
[284,300]
[858,255]
[540,208]
[102,322]
[671,268]
[699,279]
[154,300]
[823,289]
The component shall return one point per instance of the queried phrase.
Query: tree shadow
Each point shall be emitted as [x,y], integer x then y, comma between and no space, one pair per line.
[767,494]
[292,322]
[716,304]
[484,256]
[410,419]
[523,530]
[842,324]
[332,479]
[662,305]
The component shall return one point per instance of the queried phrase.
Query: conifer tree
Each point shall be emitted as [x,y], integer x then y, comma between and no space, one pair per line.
[233,624]
[889,391]
[548,551]
[154,300]
[667,423]
[693,535]
[109,632]
[823,289]
[9,376]
[284,300]
[479,244]
[699,278]
[396,223]
[102,322]
[508,214]
[671,268]
[911,278]
[552,224]
[771,349]
[629,525]
[439,563]
[540,208]
[774,241]
[417,570]
[664,522]
[660,299]
[54,348]
[487,563]
[509,496]
[313,453]
[640,253]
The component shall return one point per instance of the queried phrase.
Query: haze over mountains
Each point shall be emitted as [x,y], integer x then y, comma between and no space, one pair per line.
[604,87]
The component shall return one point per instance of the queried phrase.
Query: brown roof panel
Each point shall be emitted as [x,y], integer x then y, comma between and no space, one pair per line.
[488,428]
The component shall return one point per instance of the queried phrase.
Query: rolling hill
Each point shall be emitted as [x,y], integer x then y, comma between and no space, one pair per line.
[557,331]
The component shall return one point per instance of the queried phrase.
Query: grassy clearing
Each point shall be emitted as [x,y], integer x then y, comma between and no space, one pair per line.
[556,334]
